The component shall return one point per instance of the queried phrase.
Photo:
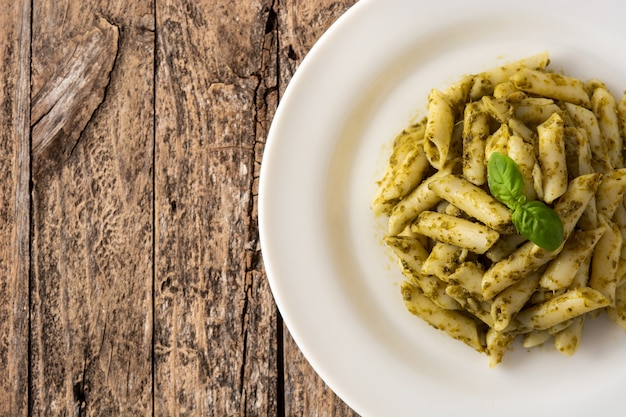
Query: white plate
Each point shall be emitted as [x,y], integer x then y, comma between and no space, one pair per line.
[335,284]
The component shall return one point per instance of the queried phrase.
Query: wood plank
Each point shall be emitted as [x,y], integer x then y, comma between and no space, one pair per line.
[91,279]
[301,23]
[215,320]
[15,207]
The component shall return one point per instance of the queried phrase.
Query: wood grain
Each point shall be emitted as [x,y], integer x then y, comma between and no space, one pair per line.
[91,280]
[214,315]
[14,194]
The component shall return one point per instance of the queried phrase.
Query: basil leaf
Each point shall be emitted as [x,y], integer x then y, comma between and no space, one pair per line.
[505,180]
[539,224]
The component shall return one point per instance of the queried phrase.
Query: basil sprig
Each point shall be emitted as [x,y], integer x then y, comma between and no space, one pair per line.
[535,220]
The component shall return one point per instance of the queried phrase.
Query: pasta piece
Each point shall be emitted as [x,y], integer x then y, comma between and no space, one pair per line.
[578,155]
[432,287]
[552,158]
[409,174]
[456,324]
[524,155]
[474,201]
[587,120]
[443,260]
[525,260]
[567,340]
[499,109]
[403,144]
[458,93]
[460,232]
[534,110]
[604,107]
[475,133]
[510,301]
[478,308]
[507,90]
[559,309]
[469,276]
[611,192]
[504,247]
[518,128]
[573,203]
[409,251]
[419,200]
[561,271]
[485,82]
[582,275]
[577,152]
[439,126]
[619,218]
[497,345]
[617,312]
[605,261]
[497,142]
[621,114]
[553,85]
[536,338]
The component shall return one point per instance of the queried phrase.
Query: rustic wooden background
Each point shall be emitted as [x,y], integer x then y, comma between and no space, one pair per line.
[131,277]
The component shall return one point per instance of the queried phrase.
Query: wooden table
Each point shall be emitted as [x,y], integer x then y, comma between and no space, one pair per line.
[131,277]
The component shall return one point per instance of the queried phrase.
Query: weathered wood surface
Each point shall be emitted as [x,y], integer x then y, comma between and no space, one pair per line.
[14,215]
[131,277]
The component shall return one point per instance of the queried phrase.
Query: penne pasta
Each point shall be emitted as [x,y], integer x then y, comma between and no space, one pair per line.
[474,201]
[464,233]
[611,192]
[518,128]
[432,287]
[573,203]
[561,308]
[443,260]
[535,338]
[522,262]
[485,82]
[419,200]
[499,109]
[404,144]
[510,301]
[478,308]
[504,247]
[604,106]
[497,142]
[605,261]
[456,324]
[567,340]
[561,272]
[577,152]
[469,276]
[534,110]
[409,251]
[475,133]
[617,312]
[457,94]
[552,85]
[523,154]
[586,119]
[552,158]
[439,127]
[497,345]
